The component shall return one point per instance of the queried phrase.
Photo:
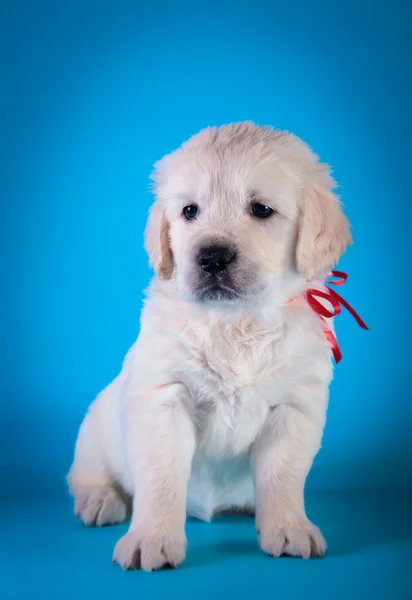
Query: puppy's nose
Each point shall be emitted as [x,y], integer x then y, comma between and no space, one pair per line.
[215,259]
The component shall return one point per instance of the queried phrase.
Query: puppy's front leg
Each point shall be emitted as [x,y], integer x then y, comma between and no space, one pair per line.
[281,459]
[160,442]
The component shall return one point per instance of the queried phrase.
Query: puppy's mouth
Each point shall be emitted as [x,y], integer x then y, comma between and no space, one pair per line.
[217,292]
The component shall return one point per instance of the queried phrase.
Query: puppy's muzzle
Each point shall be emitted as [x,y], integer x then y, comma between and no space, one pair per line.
[214,259]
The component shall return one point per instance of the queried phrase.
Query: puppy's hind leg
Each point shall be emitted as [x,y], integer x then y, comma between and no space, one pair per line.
[98,499]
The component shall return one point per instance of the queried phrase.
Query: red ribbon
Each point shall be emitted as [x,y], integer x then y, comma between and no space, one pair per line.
[337,302]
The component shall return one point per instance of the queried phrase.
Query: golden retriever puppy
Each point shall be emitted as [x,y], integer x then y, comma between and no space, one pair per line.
[220,403]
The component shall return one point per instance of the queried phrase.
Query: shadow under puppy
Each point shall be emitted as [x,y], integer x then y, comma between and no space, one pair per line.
[221,401]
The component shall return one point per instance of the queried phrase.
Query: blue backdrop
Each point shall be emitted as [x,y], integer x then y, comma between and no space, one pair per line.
[92,94]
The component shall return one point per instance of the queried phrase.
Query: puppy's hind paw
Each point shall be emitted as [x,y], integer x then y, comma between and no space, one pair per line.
[100,505]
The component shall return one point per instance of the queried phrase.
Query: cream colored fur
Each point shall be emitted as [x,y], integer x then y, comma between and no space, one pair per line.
[220,405]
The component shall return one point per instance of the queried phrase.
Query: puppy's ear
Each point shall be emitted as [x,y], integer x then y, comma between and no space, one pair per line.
[323,228]
[157,242]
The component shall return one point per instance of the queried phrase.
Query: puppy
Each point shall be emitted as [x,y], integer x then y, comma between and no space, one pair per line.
[220,403]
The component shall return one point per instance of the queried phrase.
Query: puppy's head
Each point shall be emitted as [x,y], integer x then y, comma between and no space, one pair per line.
[238,210]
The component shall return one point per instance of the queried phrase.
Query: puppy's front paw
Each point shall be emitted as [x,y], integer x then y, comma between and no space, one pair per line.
[149,552]
[303,539]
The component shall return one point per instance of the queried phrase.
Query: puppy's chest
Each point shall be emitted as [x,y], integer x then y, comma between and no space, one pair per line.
[232,380]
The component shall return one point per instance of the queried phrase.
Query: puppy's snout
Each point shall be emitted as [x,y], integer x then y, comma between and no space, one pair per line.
[215,259]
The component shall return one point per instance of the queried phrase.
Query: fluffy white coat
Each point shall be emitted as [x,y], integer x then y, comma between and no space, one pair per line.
[220,405]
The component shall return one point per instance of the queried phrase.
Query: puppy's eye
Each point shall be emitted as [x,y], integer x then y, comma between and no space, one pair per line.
[190,212]
[261,210]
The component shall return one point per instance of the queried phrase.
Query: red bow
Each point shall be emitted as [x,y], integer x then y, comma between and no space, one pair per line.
[337,302]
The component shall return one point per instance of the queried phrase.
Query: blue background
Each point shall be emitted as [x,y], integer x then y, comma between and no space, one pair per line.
[92,93]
